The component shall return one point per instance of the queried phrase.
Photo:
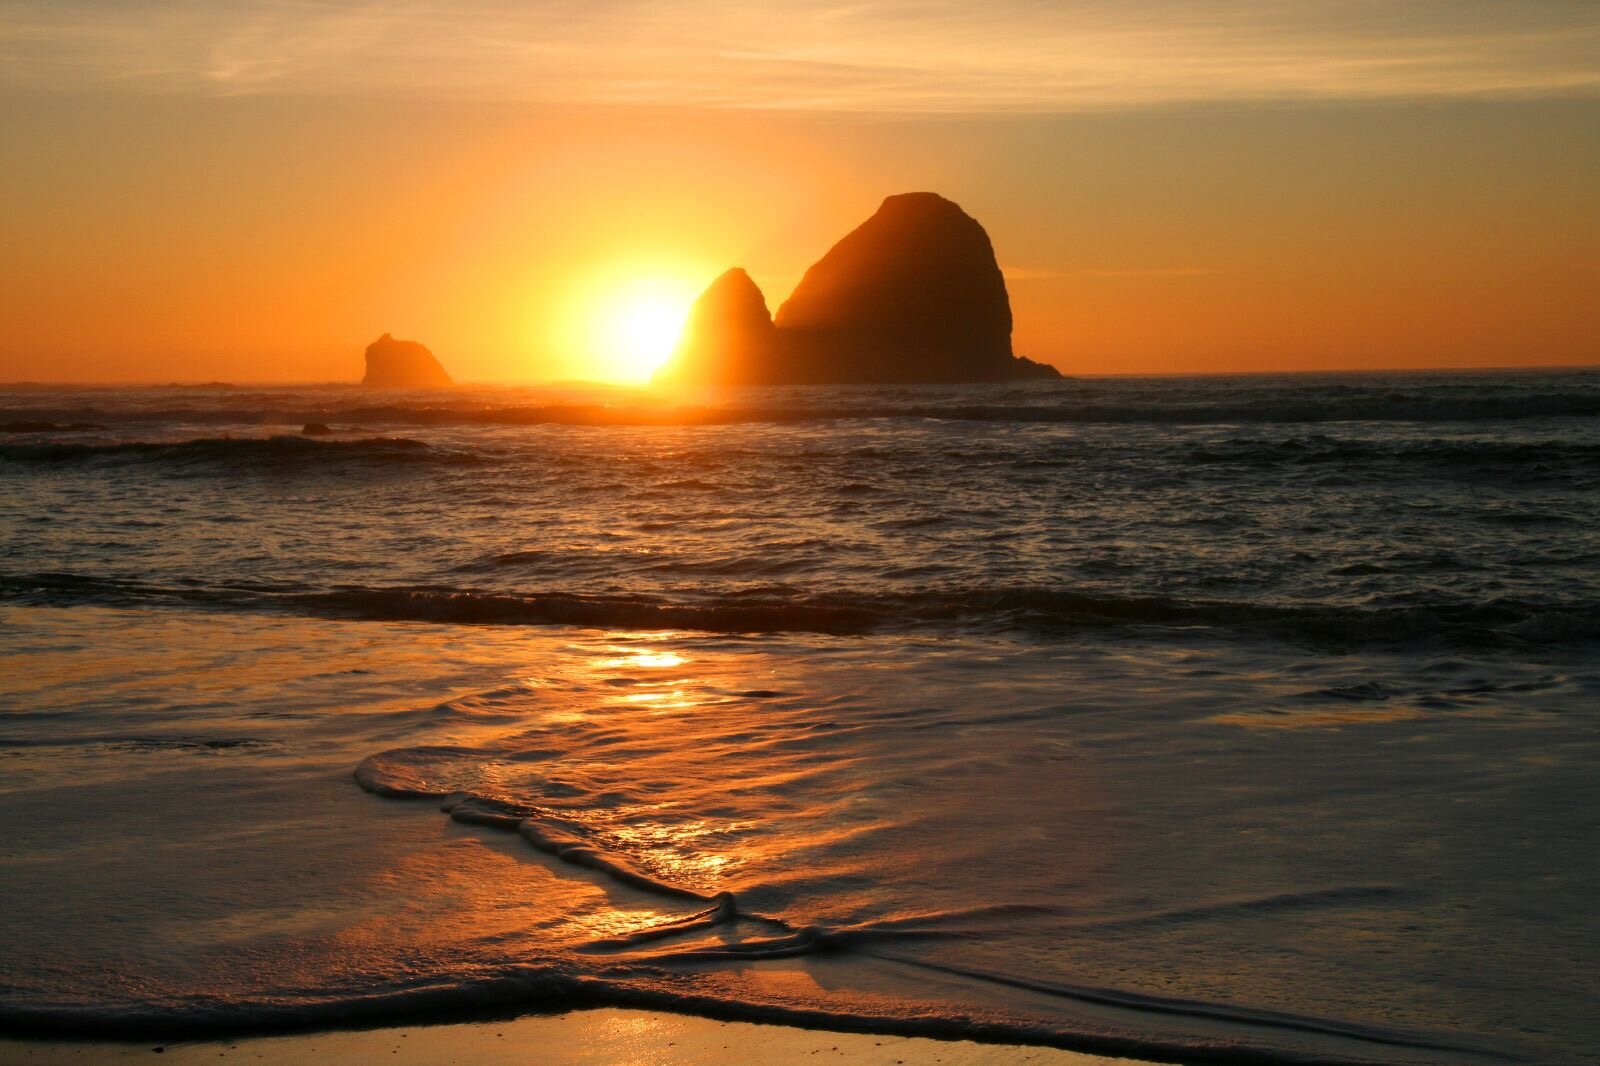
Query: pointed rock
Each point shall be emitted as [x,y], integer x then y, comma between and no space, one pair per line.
[403,365]
[728,338]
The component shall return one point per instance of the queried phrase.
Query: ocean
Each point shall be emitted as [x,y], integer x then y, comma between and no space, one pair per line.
[1242,719]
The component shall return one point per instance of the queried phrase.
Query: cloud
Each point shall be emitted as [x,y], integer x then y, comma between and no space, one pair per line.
[937,56]
[1152,272]
[1030,274]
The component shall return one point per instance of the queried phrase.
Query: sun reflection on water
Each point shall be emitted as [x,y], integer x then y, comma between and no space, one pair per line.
[625,658]
[679,850]
[659,701]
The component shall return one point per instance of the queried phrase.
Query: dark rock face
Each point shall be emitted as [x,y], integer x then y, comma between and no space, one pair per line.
[728,338]
[403,365]
[912,295]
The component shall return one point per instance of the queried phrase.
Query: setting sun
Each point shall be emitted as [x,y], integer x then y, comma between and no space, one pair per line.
[628,325]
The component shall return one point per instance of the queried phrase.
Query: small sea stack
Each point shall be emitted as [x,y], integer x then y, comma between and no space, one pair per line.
[394,364]
[728,338]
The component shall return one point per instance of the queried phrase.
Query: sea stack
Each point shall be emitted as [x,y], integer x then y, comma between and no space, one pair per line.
[396,364]
[912,295]
[728,337]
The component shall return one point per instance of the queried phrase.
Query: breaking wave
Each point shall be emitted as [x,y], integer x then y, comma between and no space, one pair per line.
[282,454]
[1320,449]
[1421,398]
[228,454]
[1042,610]
[1248,1040]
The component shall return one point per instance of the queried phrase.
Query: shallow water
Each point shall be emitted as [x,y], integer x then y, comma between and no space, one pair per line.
[1128,716]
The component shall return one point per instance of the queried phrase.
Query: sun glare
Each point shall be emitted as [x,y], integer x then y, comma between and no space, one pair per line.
[633,325]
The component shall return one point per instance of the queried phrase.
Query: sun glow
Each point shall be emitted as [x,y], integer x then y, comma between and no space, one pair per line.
[630,324]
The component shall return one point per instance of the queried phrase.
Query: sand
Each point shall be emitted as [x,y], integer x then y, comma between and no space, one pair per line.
[605,1036]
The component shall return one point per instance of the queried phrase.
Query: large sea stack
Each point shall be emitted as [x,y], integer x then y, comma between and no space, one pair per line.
[403,365]
[912,295]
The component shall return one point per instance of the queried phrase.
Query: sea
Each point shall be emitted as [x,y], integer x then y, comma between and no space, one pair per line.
[1205,719]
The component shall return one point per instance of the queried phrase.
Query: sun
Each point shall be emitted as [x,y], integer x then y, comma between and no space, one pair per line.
[618,318]
[633,325]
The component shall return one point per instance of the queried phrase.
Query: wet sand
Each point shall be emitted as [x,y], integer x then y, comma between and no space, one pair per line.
[578,1038]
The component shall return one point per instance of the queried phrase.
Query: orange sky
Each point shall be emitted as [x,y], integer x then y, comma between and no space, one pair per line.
[203,203]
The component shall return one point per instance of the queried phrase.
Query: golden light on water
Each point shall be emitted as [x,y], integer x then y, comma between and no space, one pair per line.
[644,659]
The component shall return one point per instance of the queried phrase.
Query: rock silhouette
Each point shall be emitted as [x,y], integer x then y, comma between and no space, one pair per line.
[728,338]
[404,365]
[912,295]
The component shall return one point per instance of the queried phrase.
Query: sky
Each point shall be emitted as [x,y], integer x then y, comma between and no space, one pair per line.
[238,191]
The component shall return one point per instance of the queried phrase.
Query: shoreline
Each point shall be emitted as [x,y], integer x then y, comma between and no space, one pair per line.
[584,1037]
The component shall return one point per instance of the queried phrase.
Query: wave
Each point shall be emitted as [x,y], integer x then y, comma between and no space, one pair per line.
[1316,450]
[49,427]
[1503,622]
[285,453]
[1226,1034]
[235,453]
[1275,411]
[661,964]
[1174,402]
[137,744]
[1249,1034]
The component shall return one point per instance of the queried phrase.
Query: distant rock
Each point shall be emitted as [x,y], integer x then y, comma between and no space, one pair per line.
[316,429]
[403,365]
[912,295]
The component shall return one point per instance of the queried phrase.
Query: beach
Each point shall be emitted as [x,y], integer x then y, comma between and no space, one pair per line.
[608,1035]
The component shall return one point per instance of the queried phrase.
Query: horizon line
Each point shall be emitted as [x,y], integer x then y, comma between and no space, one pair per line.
[1499,368]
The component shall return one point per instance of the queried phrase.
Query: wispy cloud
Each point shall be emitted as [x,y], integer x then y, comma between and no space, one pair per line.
[1032,274]
[936,56]
[1152,272]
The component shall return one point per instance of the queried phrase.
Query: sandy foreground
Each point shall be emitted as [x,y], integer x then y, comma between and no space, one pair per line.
[609,1036]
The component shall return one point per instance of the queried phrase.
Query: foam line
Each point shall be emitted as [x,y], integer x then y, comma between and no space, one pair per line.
[1168,1005]
[1495,623]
